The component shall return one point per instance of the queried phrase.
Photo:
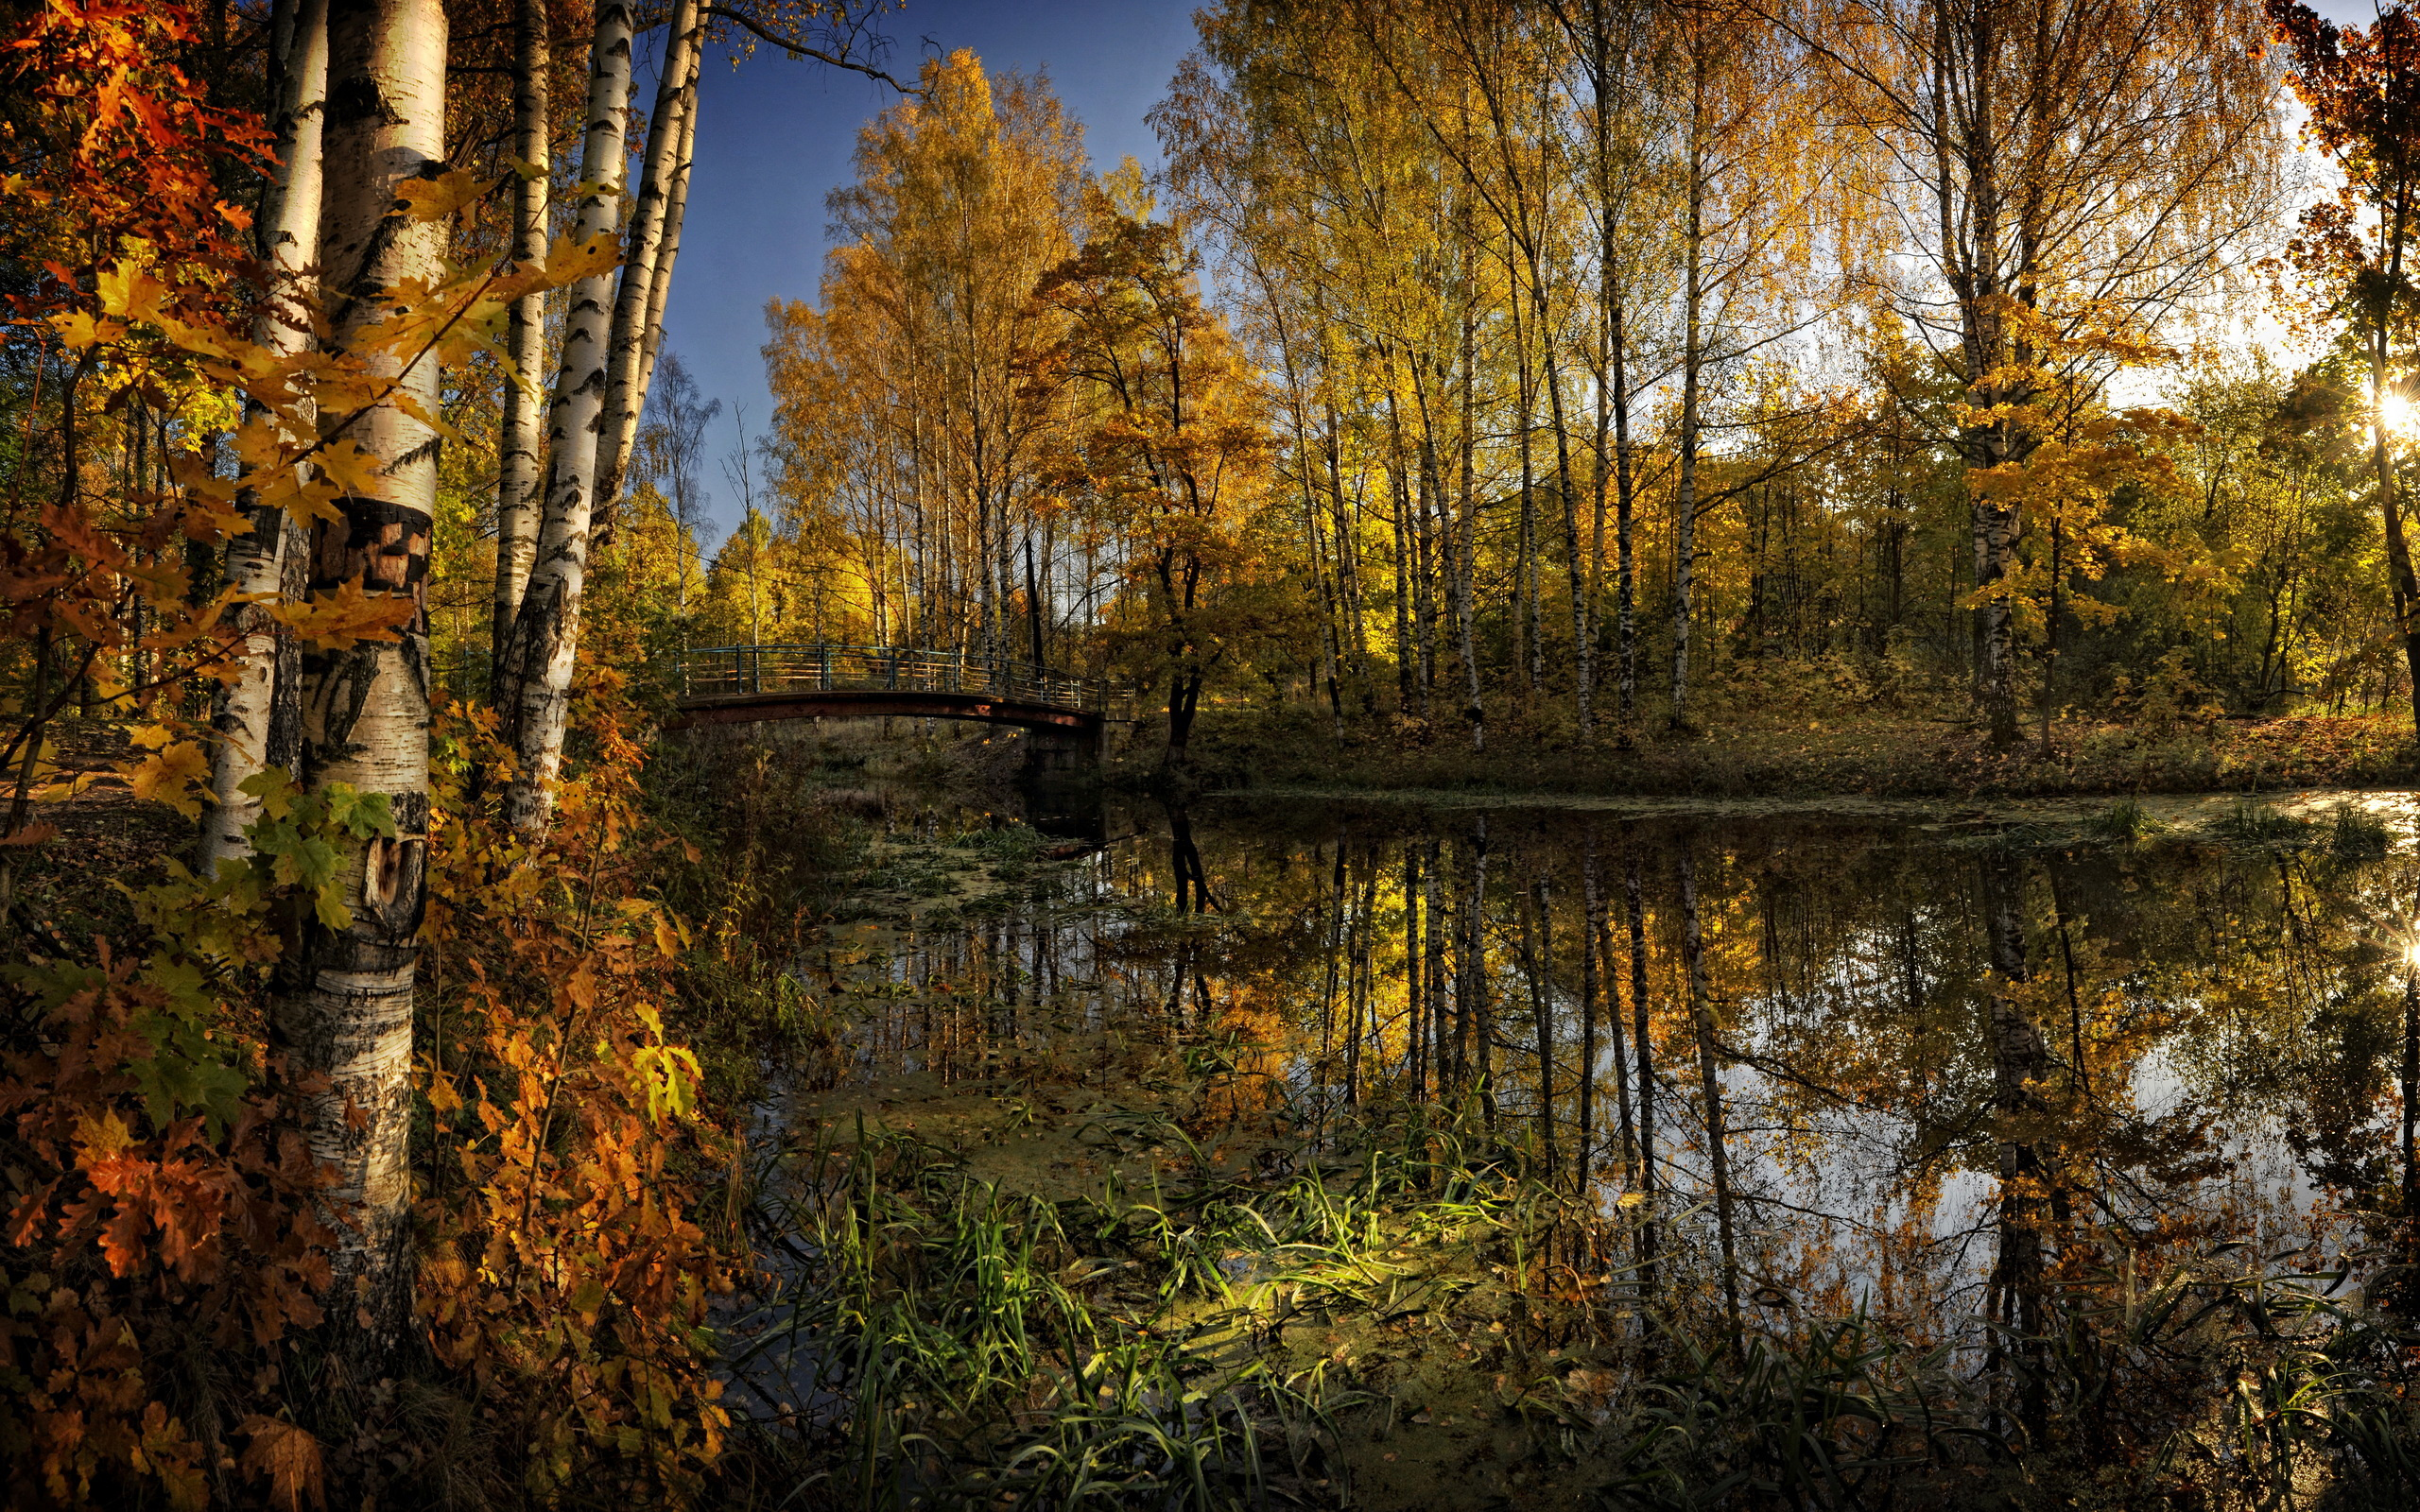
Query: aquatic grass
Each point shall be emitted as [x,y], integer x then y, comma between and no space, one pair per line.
[2121,823]
[2249,823]
[935,1340]
[925,1336]
[2304,1382]
[2354,834]
[1823,1417]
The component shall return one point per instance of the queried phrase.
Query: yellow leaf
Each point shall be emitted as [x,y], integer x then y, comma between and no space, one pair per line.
[353,470]
[130,292]
[172,777]
[567,261]
[78,330]
[339,620]
[435,199]
[97,1139]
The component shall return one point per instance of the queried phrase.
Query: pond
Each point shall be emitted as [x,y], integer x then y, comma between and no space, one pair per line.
[1450,1154]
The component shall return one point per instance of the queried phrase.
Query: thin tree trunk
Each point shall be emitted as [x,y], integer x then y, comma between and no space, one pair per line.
[1626,573]
[1415,1073]
[649,218]
[1474,709]
[1583,650]
[1435,950]
[522,482]
[1525,571]
[1709,1083]
[1407,696]
[258,560]
[1584,1138]
[1685,501]
[1642,1035]
[1542,1005]
[2018,1059]
[536,700]
[343,1015]
[1475,975]
[676,210]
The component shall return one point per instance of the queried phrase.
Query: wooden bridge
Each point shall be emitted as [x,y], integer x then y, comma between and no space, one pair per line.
[745,684]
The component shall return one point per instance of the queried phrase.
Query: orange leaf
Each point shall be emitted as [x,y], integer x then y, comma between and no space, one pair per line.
[336,621]
[288,1458]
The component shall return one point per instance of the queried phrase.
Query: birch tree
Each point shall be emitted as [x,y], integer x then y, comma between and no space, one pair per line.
[520,483]
[653,243]
[535,695]
[344,1013]
[267,561]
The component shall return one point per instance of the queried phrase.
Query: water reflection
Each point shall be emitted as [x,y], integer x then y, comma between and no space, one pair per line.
[1818,1066]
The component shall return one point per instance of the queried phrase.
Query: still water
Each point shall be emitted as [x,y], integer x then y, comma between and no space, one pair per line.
[2205,1035]
[1925,1068]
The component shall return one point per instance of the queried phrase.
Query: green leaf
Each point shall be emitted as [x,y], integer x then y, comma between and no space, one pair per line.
[361,814]
[329,904]
[276,792]
[186,1071]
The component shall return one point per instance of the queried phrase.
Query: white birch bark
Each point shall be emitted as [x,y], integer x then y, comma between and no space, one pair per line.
[661,165]
[1685,502]
[675,210]
[289,236]
[535,699]
[521,486]
[345,1009]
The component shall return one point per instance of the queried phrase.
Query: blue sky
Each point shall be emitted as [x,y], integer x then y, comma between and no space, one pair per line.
[774,137]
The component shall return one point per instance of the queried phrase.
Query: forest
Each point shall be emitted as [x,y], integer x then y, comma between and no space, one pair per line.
[1617,753]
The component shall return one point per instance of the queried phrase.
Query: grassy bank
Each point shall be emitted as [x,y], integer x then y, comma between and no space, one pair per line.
[1842,749]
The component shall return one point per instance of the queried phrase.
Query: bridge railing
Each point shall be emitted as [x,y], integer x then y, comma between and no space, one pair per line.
[743,671]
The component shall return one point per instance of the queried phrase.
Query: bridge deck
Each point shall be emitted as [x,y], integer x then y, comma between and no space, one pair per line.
[729,684]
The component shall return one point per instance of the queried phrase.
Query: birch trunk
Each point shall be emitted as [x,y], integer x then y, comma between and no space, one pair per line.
[1466,527]
[1625,570]
[1591,926]
[1685,502]
[344,1013]
[1642,1035]
[625,392]
[676,210]
[1710,1083]
[2019,1058]
[1483,1014]
[521,486]
[1433,946]
[257,561]
[1525,567]
[1541,972]
[536,699]
[1583,652]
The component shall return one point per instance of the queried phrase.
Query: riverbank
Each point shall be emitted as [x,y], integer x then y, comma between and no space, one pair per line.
[1751,756]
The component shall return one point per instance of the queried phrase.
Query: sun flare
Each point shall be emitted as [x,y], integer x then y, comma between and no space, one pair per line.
[2399,414]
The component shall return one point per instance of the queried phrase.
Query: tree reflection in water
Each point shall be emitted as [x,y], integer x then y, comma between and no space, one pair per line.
[1974,1088]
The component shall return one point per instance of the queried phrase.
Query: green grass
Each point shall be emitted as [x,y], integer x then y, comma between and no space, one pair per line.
[2251,823]
[2354,834]
[2122,822]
